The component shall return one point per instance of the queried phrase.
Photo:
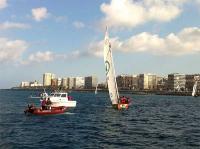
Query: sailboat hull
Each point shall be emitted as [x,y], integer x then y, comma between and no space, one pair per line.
[120,106]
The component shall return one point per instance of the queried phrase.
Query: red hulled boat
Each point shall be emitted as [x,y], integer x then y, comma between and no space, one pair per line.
[39,111]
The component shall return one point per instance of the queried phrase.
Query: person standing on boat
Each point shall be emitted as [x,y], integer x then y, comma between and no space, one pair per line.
[122,100]
[43,104]
[48,104]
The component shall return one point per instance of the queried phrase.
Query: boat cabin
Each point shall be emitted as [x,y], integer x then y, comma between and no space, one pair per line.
[62,95]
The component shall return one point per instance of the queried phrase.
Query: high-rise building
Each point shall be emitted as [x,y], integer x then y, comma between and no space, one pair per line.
[190,80]
[127,82]
[176,82]
[70,83]
[64,82]
[135,82]
[79,82]
[91,82]
[152,82]
[54,82]
[47,79]
[147,82]
[161,83]
[59,81]
[143,81]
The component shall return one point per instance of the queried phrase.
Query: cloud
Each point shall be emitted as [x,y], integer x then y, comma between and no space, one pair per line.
[96,48]
[198,2]
[131,13]
[40,13]
[39,57]
[13,25]
[11,50]
[49,56]
[174,44]
[183,43]
[3,4]
[78,24]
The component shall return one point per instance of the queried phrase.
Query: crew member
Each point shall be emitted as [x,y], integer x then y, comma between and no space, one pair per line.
[48,103]
[43,104]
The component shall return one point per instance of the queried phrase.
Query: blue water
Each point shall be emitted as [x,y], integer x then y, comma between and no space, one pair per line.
[151,122]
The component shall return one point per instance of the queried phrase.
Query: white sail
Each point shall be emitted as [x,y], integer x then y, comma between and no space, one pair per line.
[178,88]
[110,72]
[96,89]
[194,89]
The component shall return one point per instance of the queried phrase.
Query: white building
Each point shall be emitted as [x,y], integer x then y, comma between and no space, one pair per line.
[25,84]
[35,84]
[147,81]
[47,77]
[79,82]
[59,81]
[176,82]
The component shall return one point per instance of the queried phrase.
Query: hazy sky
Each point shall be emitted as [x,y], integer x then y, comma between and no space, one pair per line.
[65,37]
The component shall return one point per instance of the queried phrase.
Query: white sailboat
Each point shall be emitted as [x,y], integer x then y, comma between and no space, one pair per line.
[194,92]
[110,75]
[178,88]
[96,89]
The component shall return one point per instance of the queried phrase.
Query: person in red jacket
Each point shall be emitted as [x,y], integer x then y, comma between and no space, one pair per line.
[123,100]
[43,104]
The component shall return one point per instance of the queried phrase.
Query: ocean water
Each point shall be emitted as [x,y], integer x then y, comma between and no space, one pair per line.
[150,122]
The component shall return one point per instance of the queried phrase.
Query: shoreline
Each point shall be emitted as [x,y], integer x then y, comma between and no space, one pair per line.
[144,92]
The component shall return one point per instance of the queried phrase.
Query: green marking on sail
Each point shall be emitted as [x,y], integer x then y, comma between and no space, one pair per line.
[107,67]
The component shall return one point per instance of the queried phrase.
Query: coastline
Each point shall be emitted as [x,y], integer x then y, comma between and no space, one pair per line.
[143,92]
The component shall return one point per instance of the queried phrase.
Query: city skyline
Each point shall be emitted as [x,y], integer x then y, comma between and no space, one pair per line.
[66,38]
[142,82]
[54,76]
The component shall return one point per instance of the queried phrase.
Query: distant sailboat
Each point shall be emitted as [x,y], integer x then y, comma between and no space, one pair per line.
[194,92]
[96,89]
[110,77]
[178,88]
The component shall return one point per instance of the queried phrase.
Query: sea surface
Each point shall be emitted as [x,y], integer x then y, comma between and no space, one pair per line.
[151,122]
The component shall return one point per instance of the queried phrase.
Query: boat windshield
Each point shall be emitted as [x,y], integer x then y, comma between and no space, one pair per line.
[57,95]
[63,95]
[52,94]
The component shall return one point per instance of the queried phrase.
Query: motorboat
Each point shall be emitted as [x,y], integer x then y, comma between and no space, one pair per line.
[61,99]
[39,111]
[55,103]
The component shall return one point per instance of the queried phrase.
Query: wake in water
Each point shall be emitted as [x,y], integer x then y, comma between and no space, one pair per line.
[108,106]
[69,113]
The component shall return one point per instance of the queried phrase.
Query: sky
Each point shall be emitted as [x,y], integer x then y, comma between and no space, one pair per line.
[65,37]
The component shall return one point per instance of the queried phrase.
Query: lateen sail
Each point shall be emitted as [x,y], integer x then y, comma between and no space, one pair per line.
[110,72]
[194,89]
